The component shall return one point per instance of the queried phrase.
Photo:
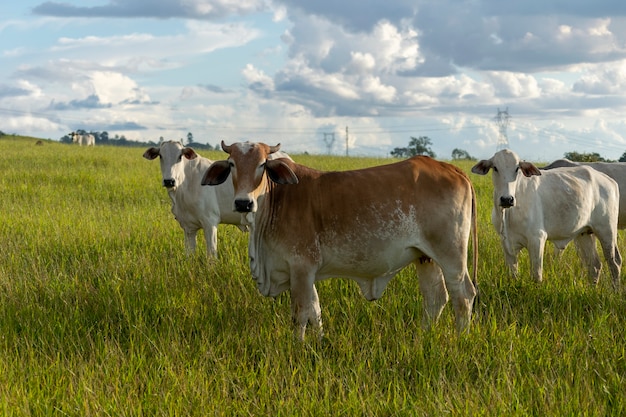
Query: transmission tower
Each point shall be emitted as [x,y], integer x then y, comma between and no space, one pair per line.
[329,140]
[502,120]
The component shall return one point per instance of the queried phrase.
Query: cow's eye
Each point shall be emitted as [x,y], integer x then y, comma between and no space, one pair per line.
[495,169]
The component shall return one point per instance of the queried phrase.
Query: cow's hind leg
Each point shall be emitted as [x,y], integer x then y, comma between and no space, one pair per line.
[433,289]
[462,293]
[586,247]
[613,258]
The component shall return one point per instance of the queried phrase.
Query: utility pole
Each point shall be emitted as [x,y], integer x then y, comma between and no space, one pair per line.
[502,120]
[346,140]
[329,142]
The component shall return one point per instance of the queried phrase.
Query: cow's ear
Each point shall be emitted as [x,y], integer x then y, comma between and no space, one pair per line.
[189,153]
[217,173]
[483,167]
[151,153]
[528,169]
[280,173]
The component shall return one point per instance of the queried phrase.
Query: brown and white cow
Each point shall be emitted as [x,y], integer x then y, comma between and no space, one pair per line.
[366,225]
[615,170]
[532,206]
[86,139]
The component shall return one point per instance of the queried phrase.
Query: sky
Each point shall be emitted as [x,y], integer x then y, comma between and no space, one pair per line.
[341,77]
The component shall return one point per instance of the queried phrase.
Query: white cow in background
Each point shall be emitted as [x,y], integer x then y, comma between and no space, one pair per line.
[615,170]
[86,139]
[195,206]
[531,206]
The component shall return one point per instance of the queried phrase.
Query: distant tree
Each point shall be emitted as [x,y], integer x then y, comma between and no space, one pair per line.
[622,158]
[400,153]
[421,146]
[461,154]
[584,157]
[189,138]
[417,146]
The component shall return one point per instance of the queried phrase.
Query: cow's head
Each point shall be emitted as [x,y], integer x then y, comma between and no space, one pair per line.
[74,137]
[506,169]
[171,154]
[248,163]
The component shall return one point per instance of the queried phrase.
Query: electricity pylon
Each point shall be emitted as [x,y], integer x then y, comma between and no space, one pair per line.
[329,140]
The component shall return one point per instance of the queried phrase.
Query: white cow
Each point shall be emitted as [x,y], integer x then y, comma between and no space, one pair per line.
[615,170]
[531,206]
[195,207]
[86,139]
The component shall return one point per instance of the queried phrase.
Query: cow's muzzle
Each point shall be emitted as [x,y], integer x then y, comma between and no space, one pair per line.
[507,201]
[244,205]
[169,183]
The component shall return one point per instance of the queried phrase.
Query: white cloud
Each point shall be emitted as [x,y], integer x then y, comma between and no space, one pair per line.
[514,85]
[373,87]
[362,62]
[552,86]
[257,80]
[115,88]
[195,37]
[603,79]
[221,7]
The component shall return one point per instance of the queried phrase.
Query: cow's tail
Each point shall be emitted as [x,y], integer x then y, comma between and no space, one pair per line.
[474,243]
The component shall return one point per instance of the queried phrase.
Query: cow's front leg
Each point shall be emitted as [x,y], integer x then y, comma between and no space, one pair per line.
[586,246]
[210,237]
[510,257]
[536,248]
[305,305]
[190,241]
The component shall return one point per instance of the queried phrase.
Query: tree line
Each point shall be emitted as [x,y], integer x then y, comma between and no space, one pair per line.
[103,138]
[422,146]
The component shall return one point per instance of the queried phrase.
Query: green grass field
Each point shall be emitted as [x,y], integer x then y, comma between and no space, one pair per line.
[101,313]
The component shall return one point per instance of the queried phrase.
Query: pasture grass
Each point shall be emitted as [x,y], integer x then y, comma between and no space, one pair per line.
[101,313]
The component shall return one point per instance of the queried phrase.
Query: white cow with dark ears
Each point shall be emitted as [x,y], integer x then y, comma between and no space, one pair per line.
[532,206]
[195,206]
